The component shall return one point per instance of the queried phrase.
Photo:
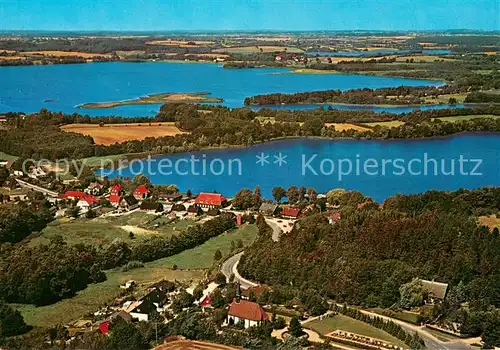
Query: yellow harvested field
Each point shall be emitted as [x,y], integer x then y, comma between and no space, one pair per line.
[11,58]
[7,51]
[213,55]
[112,133]
[346,126]
[419,58]
[273,38]
[256,49]
[389,124]
[65,54]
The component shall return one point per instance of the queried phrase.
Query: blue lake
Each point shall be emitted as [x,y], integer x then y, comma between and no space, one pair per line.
[302,169]
[378,53]
[62,87]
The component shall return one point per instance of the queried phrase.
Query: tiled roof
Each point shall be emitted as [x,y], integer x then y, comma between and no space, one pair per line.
[247,310]
[292,212]
[114,198]
[91,200]
[257,290]
[210,199]
[141,190]
[74,194]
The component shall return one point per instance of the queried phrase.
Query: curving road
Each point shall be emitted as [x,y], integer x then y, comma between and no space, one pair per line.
[230,267]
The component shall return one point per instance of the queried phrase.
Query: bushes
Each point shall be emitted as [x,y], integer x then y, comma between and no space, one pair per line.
[132,265]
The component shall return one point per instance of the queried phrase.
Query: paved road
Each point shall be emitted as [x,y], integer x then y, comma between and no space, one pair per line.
[276,230]
[37,188]
[230,267]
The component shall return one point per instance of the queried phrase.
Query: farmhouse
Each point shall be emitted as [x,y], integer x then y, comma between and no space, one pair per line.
[268,208]
[116,190]
[290,213]
[94,188]
[210,200]
[141,192]
[194,211]
[73,195]
[129,202]
[206,303]
[249,313]
[151,303]
[114,200]
[151,207]
[435,290]
[87,202]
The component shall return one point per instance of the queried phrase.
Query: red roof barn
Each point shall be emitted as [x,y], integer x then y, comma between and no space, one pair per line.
[210,200]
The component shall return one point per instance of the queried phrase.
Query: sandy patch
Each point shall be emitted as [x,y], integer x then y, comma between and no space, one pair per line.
[112,133]
[11,58]
[138,230]
[265,48]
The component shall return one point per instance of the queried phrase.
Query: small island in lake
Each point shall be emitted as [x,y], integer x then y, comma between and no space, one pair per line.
[192,97]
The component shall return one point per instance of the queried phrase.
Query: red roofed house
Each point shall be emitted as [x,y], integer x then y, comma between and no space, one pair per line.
[114,199]
[255,291]
[210,200]
[291,213]
[72,195]
[141,192]
[87,202]
[116,190]
[206,303]
[251,314]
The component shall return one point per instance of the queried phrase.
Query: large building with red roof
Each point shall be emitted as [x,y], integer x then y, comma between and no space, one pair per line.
[291,213]
[210,200]
[72,195]
[249,313]
[141,192]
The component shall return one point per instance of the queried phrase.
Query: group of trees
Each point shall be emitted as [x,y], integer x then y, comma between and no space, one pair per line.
[403,95]
[18,221]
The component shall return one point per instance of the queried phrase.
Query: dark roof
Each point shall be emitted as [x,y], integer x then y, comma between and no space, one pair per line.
[155,296]
[435,289]
[130,200]
[268,207]
[146,205]
[194,209]
[292,212]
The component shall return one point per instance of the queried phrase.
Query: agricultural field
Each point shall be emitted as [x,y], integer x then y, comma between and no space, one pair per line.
[64,54]
[405,316]
[181,43]
[202,256]
[257,49]
[346,126]
[388,124]
[445,98]
[103,231]
[347,324]
[109,134]
[422,58]
[460,118]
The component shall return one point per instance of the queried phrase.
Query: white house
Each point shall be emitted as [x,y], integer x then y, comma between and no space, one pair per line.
[250,313]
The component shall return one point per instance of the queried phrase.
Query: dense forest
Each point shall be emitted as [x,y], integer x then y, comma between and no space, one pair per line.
[372,252]
[38,135]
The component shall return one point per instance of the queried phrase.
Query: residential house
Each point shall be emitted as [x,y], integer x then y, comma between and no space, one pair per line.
[206,303]
[94,188]
[436,291]
[268,208]
[249,313]
[153,302]
[151,207]
[194,211]
[170,197]
[141,192]
[73,195]
[290,213]
[254,291]
[334,218]
[210,200]
[116,190]
[36,171]
[129,203]
[87,202]
[114,200]
[104,326]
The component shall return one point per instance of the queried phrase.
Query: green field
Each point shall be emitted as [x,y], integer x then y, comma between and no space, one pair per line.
[405,316]
[459,118]
[257,49]
[203,255]
[102,231]
[389,124]
[348,324]
[96,295]
[6,156]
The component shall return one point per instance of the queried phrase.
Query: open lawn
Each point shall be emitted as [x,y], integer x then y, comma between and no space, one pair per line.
[445,98]
[347,324]
[103,231]
[112,133]
[6,156]
[96,295]
[203,255]
[406,316]
[422,58]
[346,126]
[256,49]
[389,124]
[460,118]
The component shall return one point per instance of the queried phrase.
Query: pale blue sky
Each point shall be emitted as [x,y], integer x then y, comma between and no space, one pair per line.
[150,15]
